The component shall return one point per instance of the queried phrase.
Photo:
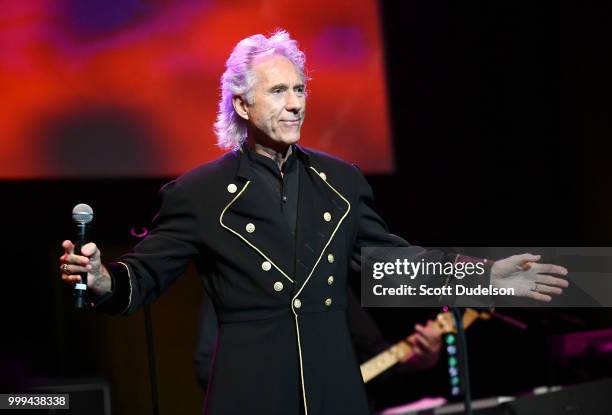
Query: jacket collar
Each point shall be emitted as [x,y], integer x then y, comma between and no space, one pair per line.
[245,170]
[302,154]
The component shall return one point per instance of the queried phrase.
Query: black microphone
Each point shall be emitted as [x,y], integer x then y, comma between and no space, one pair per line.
[82,215]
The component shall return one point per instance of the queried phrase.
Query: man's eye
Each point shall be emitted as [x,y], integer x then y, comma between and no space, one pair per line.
[277,90]
[300,90]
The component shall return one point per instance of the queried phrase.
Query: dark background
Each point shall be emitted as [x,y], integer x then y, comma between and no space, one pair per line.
[500,120]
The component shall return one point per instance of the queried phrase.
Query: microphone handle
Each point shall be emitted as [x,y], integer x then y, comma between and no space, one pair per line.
[80,288]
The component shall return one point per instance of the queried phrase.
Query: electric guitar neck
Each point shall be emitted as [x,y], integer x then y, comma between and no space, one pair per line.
[402,350]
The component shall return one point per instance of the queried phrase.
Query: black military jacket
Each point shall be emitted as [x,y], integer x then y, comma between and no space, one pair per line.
[281,300]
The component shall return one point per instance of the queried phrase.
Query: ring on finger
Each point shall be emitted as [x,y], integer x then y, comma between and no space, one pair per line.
[65,269]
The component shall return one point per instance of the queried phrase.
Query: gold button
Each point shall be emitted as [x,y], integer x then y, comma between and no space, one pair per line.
[330,258]
[328,302]
[266,266]
[278,286]
[232,188]
[323,176]
[327,216]
[297,303]
[330,280]
[250,228]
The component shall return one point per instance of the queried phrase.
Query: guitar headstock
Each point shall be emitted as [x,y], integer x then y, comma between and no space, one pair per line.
[446,322]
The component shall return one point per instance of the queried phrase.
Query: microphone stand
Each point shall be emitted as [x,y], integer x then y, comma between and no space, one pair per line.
[150,345]
[464,373]
[151,355]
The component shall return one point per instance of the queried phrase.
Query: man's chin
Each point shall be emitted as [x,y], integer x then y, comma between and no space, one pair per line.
[291,139]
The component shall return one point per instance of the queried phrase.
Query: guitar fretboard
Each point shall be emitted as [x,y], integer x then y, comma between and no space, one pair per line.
[379,363]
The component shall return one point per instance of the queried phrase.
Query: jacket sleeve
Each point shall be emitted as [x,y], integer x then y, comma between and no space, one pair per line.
[372,232]
[140,277]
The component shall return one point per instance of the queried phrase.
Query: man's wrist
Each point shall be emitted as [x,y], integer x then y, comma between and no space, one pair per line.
[117,298]
[102,284]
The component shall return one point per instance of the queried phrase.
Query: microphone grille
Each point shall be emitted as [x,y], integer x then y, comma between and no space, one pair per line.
[82,213]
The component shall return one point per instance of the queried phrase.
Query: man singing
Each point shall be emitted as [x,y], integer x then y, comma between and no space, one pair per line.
[272,228]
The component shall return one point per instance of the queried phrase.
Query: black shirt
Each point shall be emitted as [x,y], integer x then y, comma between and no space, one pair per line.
[283,188]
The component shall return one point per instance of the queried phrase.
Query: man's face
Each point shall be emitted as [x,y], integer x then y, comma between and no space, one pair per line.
[278,102]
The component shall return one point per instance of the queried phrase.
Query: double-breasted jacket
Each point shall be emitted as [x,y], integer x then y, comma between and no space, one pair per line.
[283,344]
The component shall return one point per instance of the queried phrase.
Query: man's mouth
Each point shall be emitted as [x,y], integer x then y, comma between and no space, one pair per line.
[291,122]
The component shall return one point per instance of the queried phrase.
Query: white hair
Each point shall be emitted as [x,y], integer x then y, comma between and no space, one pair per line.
[238,79]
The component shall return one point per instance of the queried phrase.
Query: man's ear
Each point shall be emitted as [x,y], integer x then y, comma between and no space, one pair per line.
[240,106]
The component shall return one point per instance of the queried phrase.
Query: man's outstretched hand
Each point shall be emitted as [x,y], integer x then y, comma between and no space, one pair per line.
[71,264]
[528,277]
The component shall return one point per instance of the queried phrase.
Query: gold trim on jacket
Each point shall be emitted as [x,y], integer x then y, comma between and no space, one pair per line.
[243,238]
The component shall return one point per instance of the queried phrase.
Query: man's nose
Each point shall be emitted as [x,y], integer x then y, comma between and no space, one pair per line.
[294,103]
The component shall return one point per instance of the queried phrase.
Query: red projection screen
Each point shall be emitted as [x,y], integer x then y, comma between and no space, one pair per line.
[129,88]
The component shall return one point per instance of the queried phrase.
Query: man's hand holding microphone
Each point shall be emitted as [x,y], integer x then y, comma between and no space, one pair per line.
[89,262]
[81,263]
